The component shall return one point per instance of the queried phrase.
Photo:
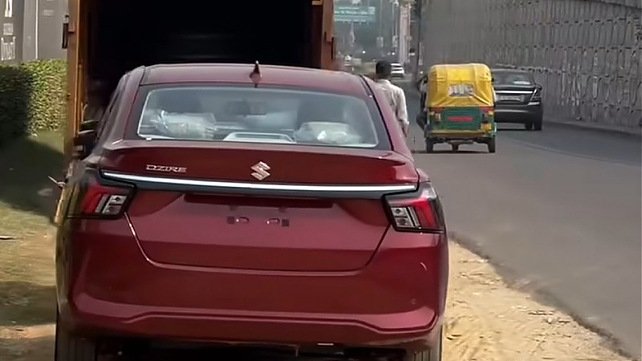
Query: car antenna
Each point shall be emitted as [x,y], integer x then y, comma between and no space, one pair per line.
[255,75]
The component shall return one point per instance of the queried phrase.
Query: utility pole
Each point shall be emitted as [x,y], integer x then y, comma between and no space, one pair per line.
[380,37]
[404,17]
[418,47]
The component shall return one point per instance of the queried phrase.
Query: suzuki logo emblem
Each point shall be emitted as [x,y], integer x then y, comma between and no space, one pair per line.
[260,171]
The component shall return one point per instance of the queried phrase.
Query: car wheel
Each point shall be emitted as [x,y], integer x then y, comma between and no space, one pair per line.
[528,125]
[491,145]
[538,124]
[430,145]
[70,347]
[455,147]
[430,355]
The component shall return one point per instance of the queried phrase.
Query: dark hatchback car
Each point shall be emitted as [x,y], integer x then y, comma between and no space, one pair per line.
[217,205]
[519,98]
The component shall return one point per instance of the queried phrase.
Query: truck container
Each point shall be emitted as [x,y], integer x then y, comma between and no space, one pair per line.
[107,38]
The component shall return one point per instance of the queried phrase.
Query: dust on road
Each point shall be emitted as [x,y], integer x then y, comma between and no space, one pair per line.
[486,321]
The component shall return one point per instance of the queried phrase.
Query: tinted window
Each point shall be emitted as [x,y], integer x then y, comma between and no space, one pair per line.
[259,115]
[508,78]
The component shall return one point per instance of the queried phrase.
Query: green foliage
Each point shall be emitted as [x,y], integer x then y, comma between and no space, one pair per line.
[32,98]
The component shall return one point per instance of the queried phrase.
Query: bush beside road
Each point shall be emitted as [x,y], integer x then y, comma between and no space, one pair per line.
[32,98]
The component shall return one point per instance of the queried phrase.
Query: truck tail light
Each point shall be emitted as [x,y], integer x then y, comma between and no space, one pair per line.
[101,199]
[419,211]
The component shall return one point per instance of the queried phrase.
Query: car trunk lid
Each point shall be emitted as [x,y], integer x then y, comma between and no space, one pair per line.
[315,209]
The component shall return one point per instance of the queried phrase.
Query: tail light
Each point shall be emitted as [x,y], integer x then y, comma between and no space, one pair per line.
[98,198]
[435,112]
[487,112]
[419,211]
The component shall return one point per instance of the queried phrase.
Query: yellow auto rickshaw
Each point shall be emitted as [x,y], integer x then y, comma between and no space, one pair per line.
[459,106]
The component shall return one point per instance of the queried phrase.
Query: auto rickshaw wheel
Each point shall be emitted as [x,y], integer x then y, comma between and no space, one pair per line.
[528,125]
[491,145]
[430,145]
[455,147]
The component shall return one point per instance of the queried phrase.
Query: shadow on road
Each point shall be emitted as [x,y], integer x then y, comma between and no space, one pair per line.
[26,192]
[517,130]
[447,151]
[25,304]
[17,89]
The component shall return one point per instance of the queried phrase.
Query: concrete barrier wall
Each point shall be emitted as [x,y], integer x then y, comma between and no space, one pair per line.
[586,53]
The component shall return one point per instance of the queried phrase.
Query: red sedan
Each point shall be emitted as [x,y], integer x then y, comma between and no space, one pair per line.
[250,205]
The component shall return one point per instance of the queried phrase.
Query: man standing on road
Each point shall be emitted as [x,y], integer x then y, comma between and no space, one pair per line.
[395,94]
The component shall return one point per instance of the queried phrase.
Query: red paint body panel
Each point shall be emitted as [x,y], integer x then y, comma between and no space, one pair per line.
[186,264]
[335,81]
[231,161]
[396,134]
[256,239]
[114,288]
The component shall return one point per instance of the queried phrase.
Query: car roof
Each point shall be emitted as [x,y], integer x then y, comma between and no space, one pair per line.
[332,81]
[509,70]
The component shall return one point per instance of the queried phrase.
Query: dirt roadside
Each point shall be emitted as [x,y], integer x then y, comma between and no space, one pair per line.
[487,321]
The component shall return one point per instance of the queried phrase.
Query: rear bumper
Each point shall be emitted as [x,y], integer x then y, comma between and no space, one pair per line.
[518,113]
[107,286]
[471,135]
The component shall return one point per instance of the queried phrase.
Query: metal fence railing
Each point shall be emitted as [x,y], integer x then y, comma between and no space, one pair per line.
[586,53]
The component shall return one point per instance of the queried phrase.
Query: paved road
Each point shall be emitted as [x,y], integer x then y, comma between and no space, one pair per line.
[561,208]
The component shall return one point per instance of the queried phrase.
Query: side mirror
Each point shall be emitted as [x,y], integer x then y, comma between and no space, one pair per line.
[538,87]
[84,143]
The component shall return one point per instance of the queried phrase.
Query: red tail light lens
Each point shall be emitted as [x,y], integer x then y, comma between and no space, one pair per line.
[436,109]
[419,211]
[98,199]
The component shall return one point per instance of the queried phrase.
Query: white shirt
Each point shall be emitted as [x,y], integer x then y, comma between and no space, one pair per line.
[397,99]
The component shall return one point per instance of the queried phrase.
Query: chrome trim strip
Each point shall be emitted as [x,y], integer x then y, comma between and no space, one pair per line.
[261,186]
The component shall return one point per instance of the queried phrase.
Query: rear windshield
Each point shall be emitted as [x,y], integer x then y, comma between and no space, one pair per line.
[260,115]
[508,78]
